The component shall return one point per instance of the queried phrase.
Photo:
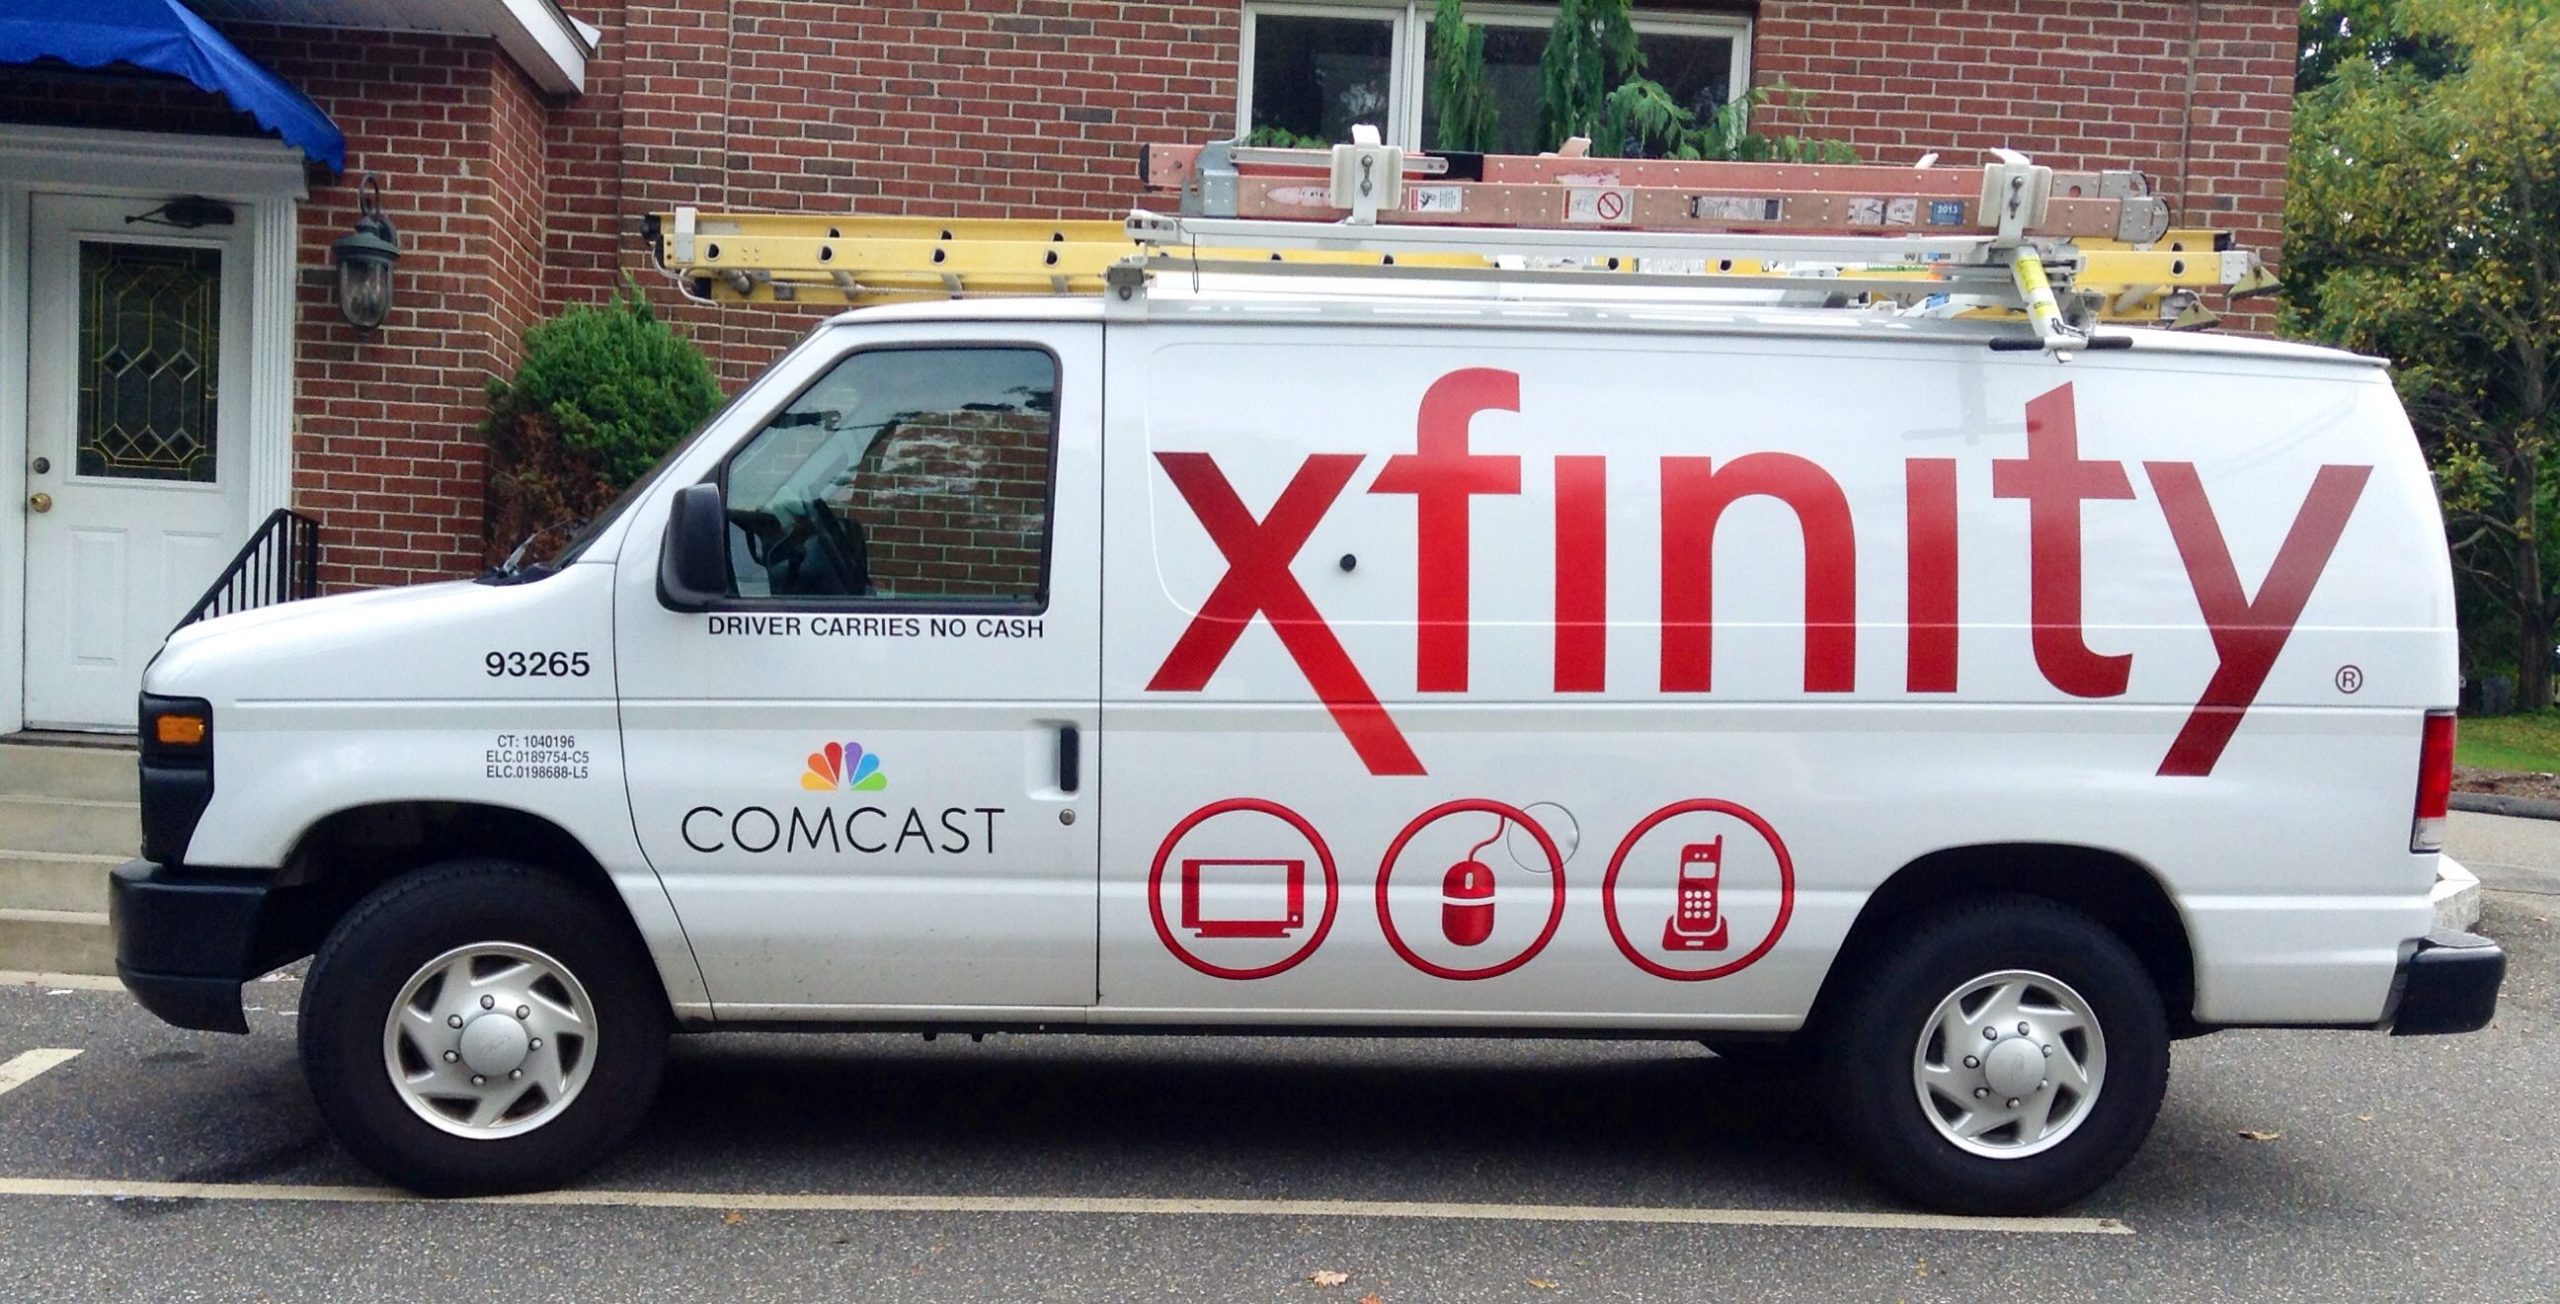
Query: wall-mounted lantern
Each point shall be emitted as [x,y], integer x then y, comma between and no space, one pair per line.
[364,258]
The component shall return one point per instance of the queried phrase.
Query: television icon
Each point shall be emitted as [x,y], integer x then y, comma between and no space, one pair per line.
[1236,884]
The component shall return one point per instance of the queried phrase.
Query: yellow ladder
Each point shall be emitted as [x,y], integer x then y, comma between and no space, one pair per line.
[2005,243]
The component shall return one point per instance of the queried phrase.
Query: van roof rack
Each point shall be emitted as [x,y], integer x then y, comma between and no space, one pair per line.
[2063,250]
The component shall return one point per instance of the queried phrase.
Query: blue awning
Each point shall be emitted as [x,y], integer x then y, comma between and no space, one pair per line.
[164,36]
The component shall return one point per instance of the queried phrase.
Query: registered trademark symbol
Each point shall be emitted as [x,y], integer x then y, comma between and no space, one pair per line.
[2349,679]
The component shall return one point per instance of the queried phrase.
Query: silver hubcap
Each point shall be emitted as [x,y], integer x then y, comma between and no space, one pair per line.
[2009,1064]
[490,1040]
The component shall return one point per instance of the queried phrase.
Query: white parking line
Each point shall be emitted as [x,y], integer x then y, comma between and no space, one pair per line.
[86,982]
[22,1069]
[992,1204]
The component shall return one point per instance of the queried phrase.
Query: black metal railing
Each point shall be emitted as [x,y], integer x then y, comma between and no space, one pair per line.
[280,563]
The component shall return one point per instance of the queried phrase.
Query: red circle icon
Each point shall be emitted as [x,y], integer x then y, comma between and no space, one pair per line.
[1555,888]
[1324,858]
[1618,861]
[1612,205]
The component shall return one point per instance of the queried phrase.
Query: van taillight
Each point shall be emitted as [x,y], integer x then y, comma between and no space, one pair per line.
[2435,783]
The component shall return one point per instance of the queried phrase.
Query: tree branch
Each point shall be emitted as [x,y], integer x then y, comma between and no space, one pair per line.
[2471,540]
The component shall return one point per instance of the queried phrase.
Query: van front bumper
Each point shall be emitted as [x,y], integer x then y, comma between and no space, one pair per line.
[2448,984]
[186,940]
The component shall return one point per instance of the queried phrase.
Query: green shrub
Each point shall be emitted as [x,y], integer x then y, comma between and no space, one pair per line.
[601,394]
[1640,118]
[1268,136]
[1591,83]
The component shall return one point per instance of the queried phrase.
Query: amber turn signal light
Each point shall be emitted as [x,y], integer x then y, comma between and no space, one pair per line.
[180,730]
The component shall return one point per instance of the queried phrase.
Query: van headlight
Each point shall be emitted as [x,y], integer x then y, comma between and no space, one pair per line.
[177,729]
[177,773]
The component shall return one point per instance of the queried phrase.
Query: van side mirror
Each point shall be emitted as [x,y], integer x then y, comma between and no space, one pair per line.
[693,562]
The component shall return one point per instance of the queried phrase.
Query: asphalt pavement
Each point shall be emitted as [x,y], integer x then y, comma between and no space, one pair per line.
[2285,1166]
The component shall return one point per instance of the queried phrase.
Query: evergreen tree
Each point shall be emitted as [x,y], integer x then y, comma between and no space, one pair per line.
[1467,112]
[1591,50]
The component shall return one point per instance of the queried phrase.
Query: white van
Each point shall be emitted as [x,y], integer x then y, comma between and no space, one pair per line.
[1368,661]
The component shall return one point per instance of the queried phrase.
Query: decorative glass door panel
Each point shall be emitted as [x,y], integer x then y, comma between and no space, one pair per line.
[150,354]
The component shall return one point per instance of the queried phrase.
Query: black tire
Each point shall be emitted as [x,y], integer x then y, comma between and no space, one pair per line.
[1890,1004]
[390,936]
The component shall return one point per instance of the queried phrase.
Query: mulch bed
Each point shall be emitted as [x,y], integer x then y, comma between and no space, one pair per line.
[2507,783]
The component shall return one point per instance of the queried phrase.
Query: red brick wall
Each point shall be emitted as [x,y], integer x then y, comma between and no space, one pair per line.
[588,242]
[2198,93]
[517,216]
[389,455]
[898,106]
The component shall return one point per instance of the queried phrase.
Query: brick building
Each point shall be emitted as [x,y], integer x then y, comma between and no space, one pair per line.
[518,141]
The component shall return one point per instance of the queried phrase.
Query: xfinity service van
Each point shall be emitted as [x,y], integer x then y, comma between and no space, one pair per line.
[1391,658]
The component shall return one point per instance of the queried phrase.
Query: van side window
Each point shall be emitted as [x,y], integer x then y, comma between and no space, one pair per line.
[916,474]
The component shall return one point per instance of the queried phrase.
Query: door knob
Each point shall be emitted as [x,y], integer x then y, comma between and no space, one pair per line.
[40,502]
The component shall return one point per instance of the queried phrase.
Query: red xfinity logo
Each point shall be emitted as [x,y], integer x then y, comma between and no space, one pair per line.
[1443,477]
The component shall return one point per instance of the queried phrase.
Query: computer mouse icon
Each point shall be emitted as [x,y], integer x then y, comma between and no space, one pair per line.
[1466,903]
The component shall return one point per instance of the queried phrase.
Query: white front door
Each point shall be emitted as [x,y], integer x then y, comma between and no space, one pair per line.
[137,453]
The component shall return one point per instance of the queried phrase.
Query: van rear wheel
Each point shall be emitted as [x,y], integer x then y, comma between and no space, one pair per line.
[480,1027]
[2003,1056]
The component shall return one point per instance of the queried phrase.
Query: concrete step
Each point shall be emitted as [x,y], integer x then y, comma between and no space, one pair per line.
[57,941]
[41,880]
[70,825]
[82,772]
[2457,896]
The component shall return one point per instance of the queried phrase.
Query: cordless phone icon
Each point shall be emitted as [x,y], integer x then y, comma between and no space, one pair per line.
[1695,924]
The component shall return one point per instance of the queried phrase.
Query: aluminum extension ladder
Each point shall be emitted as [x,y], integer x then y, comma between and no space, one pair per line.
[2063,250]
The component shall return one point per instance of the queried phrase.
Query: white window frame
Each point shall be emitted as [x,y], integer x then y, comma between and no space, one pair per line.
[1403,68]
[1408,46]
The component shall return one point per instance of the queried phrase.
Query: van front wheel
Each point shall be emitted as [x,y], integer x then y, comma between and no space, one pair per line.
[2004,1056]
[479,1027]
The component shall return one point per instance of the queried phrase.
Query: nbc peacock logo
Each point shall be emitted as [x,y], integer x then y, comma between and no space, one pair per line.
[844,767]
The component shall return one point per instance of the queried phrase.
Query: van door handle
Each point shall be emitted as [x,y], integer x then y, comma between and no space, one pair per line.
[1070,758]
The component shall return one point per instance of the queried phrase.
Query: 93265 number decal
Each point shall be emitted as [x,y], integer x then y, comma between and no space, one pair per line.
[536,665]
